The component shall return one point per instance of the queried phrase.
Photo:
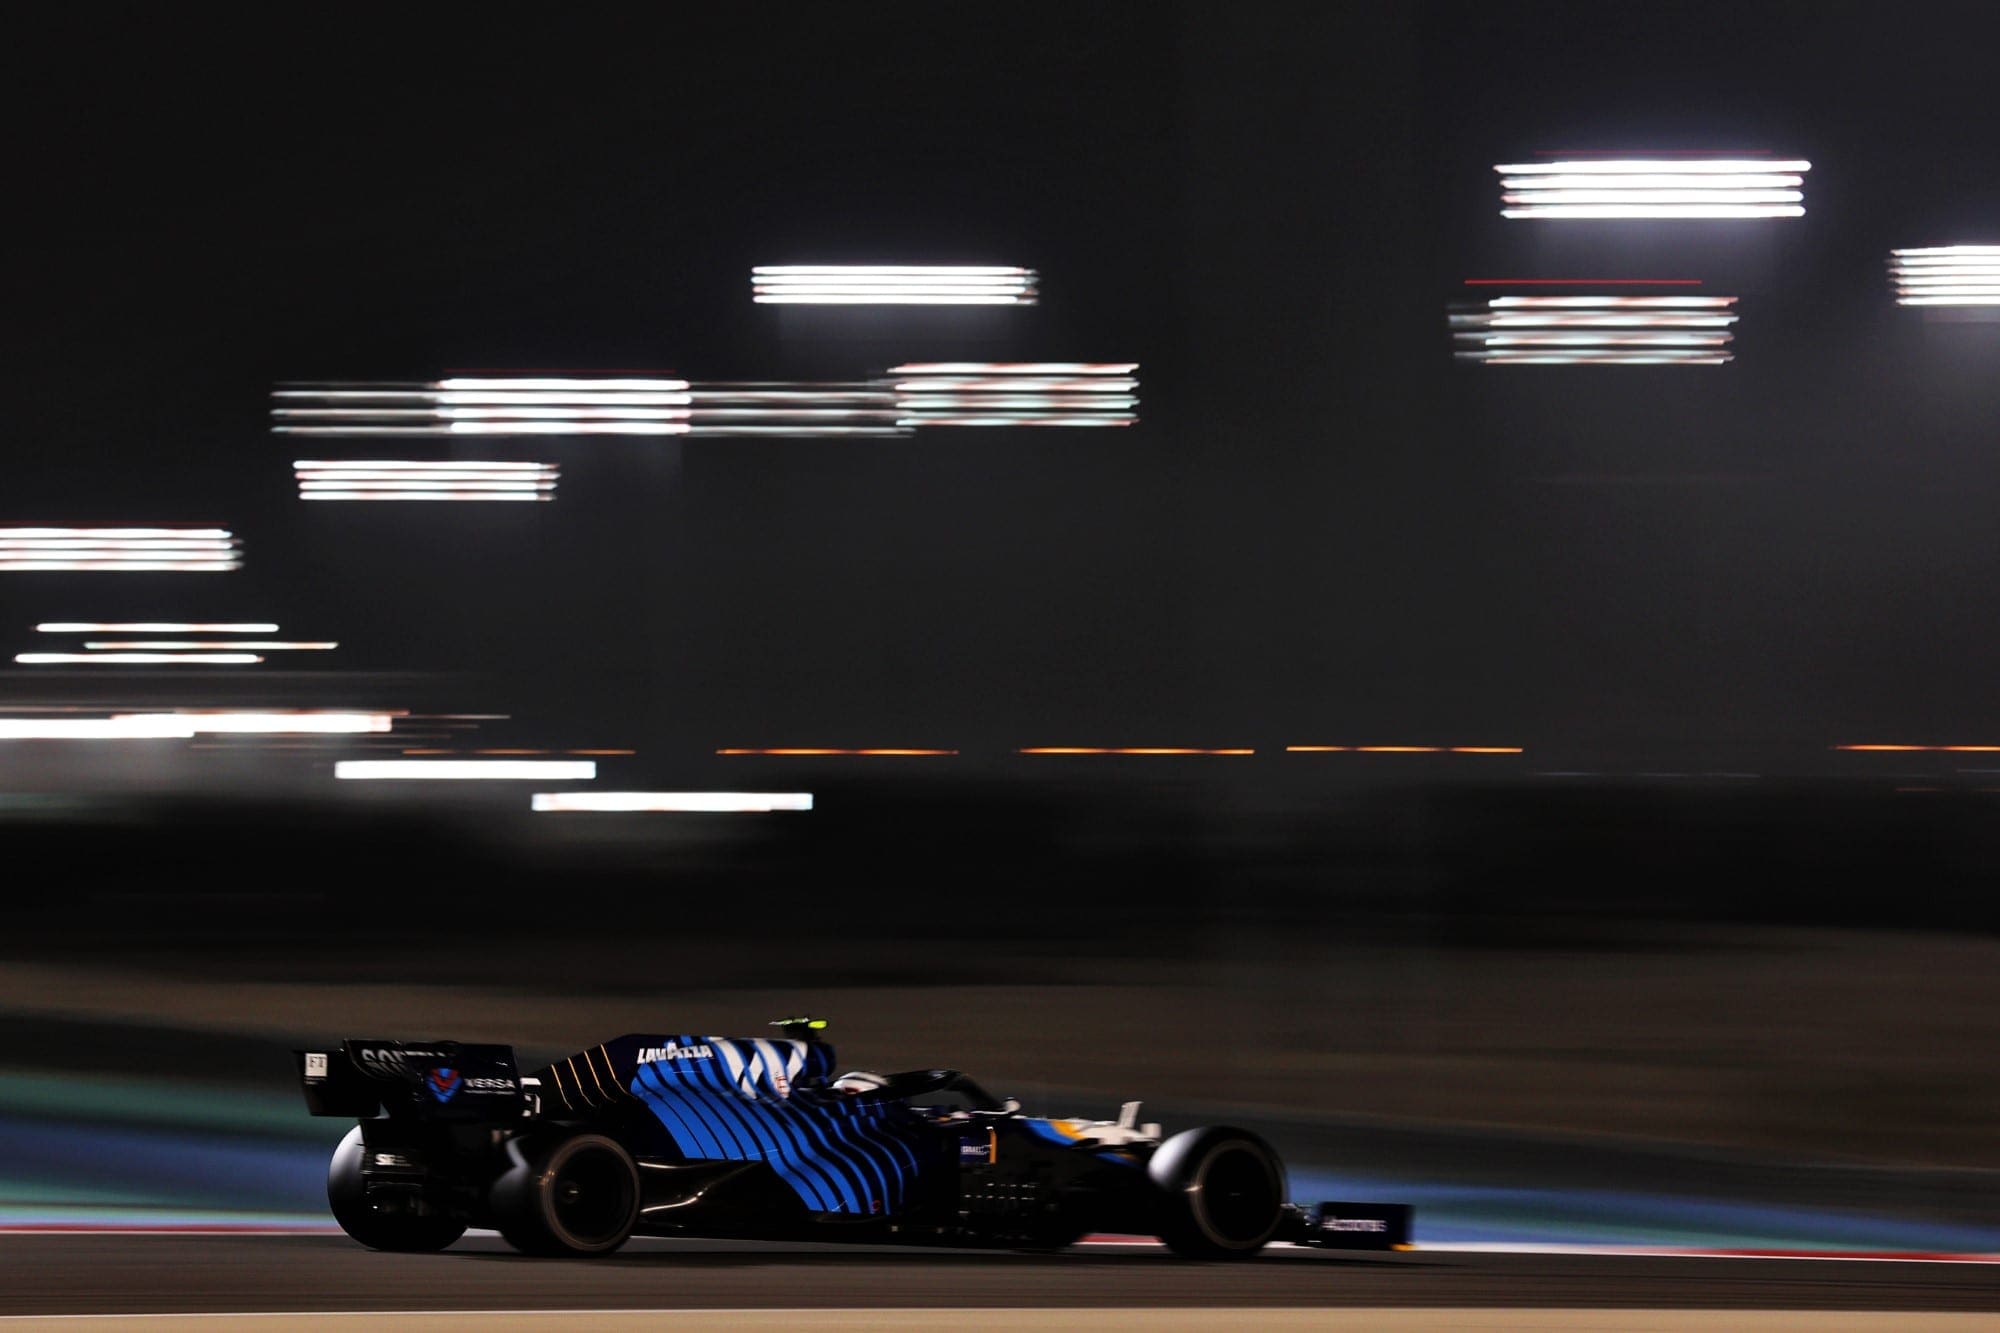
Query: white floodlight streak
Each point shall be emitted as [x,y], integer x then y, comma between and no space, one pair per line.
[185,550]
[892,284]
[794,408]
[1691,188]
[1947,275]
[208,645]
[409,479]
[1017,393]
[137,659]
[274,723]
[561,384]
[685,802]
[130,727]
[466,770]
[1597,331]
[529,405]
[154,627]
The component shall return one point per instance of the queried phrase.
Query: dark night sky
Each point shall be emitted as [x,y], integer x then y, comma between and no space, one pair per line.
[1322,531]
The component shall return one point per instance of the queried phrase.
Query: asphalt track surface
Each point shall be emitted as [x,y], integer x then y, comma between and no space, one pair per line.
[215,1274]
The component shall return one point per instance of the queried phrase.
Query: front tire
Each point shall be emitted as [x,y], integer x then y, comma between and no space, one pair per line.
[405,1232]
[1222,1193]
[576,1196]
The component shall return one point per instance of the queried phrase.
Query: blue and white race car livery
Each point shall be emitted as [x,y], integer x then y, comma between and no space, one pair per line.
[695,1135]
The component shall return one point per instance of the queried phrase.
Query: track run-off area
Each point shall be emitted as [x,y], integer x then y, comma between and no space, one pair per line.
[254,1281]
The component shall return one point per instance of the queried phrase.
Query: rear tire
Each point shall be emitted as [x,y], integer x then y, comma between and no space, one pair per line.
[406,1232]
[576,1196]
[1222,1193]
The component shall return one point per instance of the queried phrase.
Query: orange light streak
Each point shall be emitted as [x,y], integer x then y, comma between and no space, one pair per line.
[1404,749]
[1928,749]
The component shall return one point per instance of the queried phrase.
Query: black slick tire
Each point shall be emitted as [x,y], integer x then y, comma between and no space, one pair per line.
[577,1196]
[1221,1193]
[404,1232]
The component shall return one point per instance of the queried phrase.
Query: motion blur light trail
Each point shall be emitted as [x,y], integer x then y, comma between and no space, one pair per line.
[972,393]
[194,645]
[1947,275]
[146,726]
[529,405]
[154,627]
[1403,749]
[279,723]
[167,652]
[410,479]
[892,284]
[164,550]
[1923,749]
[705,802]
[465,770]
[796,409]
[1601,188]
[137,659]
[1020,393]
[1602,330]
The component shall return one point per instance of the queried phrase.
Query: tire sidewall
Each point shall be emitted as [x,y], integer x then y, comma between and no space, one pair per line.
[346,1196]
[1180,1170]
[524,1199]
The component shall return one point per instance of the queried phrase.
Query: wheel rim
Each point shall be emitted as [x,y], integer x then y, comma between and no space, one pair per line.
[1238,1195]
[590,1197]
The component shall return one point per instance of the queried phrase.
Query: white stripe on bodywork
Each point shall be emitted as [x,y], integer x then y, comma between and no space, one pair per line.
[775,1066]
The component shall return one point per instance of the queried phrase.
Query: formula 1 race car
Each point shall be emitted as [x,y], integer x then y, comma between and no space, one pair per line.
[757,1139]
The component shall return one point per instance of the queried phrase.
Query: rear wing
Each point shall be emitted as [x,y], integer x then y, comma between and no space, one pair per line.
[361,1079]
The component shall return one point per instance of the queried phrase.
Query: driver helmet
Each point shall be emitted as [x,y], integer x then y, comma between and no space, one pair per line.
[857,1081]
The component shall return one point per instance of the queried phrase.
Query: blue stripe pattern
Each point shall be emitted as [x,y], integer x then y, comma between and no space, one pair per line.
[839,1154]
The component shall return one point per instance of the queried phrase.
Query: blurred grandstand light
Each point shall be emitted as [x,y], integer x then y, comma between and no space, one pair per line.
[153,627]
[793,408]
[1602,188]
[410,479]
[1017,393]
[703,802]
[1605,330]
[485,406]
[200,645]
[1947,275]
[511,750]
[178,550]
[137,659]
[1930,749]
[892,284]
[142,726]
[467,770]
[277,723]
[1403,749]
